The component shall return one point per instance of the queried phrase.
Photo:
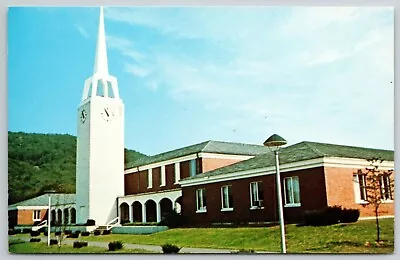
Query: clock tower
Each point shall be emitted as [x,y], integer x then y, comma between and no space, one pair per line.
[100,142]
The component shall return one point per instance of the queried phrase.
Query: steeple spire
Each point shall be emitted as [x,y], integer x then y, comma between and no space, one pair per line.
[100,63]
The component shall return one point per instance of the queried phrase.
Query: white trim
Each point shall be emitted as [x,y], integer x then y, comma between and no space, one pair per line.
[295,166]
[201,211]
[224,156]
[150,178]
[293,205]
[255,208]
[34,213]
[387,201]
[226,209]
[177,171]
[361,202]
[163,181]
[379,217]
[27,207]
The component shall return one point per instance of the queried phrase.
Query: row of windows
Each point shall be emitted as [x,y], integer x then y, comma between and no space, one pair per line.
[361,189]
[291,195]
[177,175]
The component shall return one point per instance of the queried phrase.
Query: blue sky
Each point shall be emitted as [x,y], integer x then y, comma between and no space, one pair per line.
[187,75]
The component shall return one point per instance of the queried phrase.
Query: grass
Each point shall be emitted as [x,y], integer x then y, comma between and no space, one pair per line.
[22,247]
[340,238]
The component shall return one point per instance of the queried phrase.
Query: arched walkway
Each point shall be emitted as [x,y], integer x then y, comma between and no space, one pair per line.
[166,207]
[137,212]
[66,216]
[53,216]
[178,205]
[59,217]
[151,211]
[73,215]
[124,209]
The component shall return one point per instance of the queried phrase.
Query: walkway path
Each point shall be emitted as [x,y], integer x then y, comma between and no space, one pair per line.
[157,249]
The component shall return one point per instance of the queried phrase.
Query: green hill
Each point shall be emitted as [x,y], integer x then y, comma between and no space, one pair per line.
[40,162]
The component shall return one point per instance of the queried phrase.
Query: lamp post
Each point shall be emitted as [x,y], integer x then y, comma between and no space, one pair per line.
[49,217]
[275,142]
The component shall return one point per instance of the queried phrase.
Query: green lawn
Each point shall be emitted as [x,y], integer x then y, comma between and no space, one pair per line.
[340,238]
[21,247]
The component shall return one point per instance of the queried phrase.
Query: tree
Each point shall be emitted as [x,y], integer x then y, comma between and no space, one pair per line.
[376,186]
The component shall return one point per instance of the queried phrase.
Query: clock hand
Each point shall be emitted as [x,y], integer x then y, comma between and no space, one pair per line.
[106,112]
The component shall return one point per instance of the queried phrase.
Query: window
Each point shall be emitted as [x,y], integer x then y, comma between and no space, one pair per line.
[150,179]
[162,175]
[226,198]
[100,88]
[292,191]
[110,90]
[201,200]
[386,191]
[360,191]
[36,215]
[256,195]
[177,173]
[192,167]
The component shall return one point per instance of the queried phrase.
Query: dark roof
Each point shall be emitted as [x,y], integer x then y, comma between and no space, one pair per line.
[208,146]
[43,200]
[300,152]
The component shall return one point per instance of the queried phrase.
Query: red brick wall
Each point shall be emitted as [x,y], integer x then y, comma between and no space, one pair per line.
[340,191]
[25,216]
[209,164]
[312,195]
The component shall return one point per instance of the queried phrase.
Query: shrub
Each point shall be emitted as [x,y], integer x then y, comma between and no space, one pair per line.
[34,240]
[106,232]
[35,233]
[85,233]
[26,230]
[170,249]
[74,235]
[36,223]
[349,215]
[90,222]
[244,251]
[11,232]
[115,245]
[96,232]
[332,215]
[58,233]
[68,232]
[79,244]
[172,220]
[53,242]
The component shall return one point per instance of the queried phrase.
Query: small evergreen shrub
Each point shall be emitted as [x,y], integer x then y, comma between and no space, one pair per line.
[172,220]
[106,232]
[79,244]
[35,233]
[244,251]
[349,215]
[34,240]
[74,235]
[68,232]
[170,249]
[11,232]
[58,233]
[26,230]
[90,222]
[53,242]
[115,245]
[96,232]
[85,233]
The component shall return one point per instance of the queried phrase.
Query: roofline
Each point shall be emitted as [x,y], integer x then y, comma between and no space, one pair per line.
[285,167]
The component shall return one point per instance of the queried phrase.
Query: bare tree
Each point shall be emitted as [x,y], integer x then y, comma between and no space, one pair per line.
[376,187]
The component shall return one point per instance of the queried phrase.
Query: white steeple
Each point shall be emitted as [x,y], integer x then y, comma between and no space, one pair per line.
[100,63]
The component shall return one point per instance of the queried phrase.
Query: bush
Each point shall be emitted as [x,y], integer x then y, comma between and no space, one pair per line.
[96,232]
[58,233]
[115,245]
[85,233]
[11,232]
[349,215]
[244,251]
[330,216]
[35,233]
[75,235]
[34,240]
[53,242]
[68,232]
[106,232]
[170,249]
[172,220]
[26,230]
[90,222]
[79,244]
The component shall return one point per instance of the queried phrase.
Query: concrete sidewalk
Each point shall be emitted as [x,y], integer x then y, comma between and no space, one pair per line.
[156,249]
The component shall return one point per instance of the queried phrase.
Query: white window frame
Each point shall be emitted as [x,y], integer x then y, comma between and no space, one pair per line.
[291,204]
[162,176]
[36,215]
[200,196]
[177,172]
[383,184]
[257,203]
[358,190]
[230,207]
[150,178]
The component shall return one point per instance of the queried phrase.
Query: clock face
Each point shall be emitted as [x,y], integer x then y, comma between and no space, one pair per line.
[83,115]
[107,114]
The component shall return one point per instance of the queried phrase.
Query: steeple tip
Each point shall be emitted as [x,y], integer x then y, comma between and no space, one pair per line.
[101,63]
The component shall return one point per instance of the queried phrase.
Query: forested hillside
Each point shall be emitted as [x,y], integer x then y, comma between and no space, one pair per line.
[40,162]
